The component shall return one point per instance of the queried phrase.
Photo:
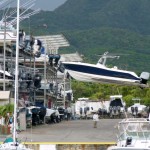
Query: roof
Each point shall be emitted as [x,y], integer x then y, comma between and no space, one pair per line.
[116,96]
[71,57]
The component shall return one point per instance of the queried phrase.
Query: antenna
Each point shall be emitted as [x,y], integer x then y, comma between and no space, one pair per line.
[26,6]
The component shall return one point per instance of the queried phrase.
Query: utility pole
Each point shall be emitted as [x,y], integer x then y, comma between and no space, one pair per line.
[45,104]
[4,60]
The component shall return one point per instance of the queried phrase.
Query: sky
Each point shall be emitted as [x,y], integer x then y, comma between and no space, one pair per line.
[49,4]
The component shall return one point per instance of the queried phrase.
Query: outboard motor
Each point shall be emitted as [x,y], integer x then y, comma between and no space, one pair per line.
[119,109]
[80,111]
[85,110]
[99,111]
[51,56]
[35,116]
[29,80]
[37,54]
[37,81]
[62,112]
[132,110]
[88,108]
[51,87]
[42,113]
[128,141]
[21,38]
[56,57]
[144,77]
[115,109]
[61,67]
[110,109]
[22,76]
[136,110]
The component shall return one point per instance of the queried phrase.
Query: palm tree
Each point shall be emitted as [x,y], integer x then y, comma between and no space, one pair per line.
[4,110]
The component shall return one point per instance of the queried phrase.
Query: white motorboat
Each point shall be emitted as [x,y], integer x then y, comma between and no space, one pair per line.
[10,35]
[137,108]
[101,73]
[12,146]
[116,106]
[134,134]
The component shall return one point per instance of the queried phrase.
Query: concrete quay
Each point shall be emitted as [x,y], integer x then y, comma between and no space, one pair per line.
[74,131]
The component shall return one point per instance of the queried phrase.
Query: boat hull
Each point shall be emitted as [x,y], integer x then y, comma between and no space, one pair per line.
[126,148]
[97,73]
[12,146]
[98,78]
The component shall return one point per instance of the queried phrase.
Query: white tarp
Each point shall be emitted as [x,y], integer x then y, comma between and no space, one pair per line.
[4,95]
[48,147]
[49,112]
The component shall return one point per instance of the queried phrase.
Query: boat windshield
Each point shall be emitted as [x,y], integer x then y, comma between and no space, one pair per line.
[136,130]
[8,27]
[116,102]
[104,57]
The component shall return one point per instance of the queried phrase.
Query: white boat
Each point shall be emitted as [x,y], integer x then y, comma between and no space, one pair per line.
[134,134]
[8,38]
[12,146]
[10,35]
[137,108]
[101,73]
[116,106]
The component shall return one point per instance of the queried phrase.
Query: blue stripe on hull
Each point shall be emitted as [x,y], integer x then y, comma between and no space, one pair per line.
[99,71]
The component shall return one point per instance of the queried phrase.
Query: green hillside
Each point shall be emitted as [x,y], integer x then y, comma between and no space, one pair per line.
[86,14]
[95,26]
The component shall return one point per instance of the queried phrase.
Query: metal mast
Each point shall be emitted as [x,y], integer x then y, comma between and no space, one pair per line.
[16,74]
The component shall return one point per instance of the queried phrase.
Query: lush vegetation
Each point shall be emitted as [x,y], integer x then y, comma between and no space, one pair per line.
[92,27]
[95,26]
[96,91]
[9,108]
[4,110]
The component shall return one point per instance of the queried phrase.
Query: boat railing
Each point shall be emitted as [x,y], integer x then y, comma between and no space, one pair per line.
[104,57]
[134,129]
[134,136]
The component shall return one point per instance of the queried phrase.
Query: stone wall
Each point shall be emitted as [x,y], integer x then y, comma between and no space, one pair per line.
[82,147]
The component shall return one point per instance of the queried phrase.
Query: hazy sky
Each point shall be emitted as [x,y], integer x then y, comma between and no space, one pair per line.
[42,4]
[48,4]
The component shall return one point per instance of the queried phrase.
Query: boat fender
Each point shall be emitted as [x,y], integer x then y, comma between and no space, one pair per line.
[144,77]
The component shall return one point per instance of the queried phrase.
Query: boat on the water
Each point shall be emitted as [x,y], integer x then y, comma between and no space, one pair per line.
[101,73]
[134,134]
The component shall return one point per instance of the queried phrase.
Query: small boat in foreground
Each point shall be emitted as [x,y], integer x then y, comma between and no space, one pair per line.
[11,146]
[134,134]
[100,73]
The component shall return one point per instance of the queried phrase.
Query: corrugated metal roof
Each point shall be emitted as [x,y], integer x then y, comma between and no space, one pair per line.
[71,57]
